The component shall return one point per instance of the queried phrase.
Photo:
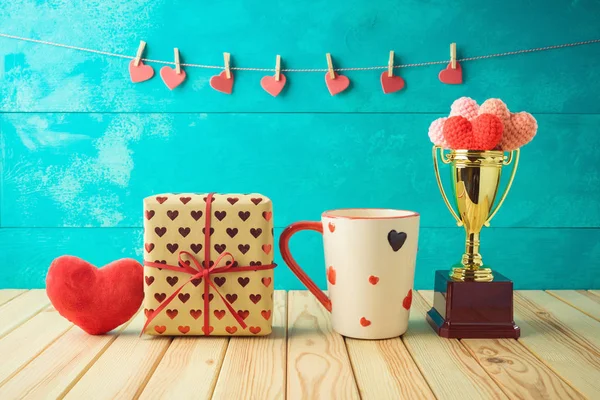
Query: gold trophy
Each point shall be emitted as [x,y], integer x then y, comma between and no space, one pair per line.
[471,301]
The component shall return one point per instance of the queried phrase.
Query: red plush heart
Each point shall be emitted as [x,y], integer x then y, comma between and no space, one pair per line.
[171,78]
[96,299]
[391,84]
[451,76]
[140,73]
[483,133]
[272,85]
[221,83]
[337,84]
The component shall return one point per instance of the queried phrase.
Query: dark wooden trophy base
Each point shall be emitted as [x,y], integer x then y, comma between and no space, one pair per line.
[473,310]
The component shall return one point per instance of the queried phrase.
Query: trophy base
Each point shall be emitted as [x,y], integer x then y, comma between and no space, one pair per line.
[473,310]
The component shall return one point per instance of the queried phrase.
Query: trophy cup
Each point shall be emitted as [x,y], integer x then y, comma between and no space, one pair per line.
[471,301]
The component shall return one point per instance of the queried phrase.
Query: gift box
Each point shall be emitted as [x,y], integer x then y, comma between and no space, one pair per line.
[208,264]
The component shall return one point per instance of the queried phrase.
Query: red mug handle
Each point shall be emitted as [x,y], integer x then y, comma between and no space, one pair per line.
[293,265]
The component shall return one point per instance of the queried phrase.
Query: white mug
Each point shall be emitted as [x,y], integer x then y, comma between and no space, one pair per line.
[370,257]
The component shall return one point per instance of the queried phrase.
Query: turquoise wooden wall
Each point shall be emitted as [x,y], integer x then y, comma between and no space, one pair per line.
[81,145]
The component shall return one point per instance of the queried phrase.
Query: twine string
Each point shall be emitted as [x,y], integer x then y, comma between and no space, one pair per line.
[383,67]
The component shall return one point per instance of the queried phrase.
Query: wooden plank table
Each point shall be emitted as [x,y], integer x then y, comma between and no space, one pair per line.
[557,357]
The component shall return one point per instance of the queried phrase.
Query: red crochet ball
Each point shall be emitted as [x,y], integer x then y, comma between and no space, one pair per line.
[487,131]
[96,299]
[458,132]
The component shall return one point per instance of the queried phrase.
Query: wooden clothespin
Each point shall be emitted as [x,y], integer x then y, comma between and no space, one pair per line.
[227,58]
[453,55]
[177,63]
[391,64]
[330,66]
[140,51]
[278,68]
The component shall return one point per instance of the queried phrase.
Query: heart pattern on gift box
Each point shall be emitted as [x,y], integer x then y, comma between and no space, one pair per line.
[241,225]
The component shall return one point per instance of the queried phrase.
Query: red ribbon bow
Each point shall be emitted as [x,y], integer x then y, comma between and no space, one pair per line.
[204,272]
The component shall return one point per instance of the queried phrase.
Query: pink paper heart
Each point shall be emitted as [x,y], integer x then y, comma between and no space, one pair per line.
[391,84]
[465,107]
[273,86]
[171,78]
[221,83]
[451,76]
[337,84]
[436,133]
[140,73]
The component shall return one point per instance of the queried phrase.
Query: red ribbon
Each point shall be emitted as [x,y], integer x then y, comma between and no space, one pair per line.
[204,272]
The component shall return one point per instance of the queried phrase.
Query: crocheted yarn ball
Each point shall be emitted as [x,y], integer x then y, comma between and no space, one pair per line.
[465,107]
[458,132]
[436,133]
[495,107]
[487,132]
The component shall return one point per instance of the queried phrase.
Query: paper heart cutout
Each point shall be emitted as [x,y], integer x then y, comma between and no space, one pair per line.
[338,84]
[451,76]
[96,299]
[436,133]
[483,133]
[171,78]
[273,86]
[391,84]
[140,73]
[221,83]
[465,107]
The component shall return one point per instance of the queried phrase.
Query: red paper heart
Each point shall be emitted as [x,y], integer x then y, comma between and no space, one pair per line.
[391,84]
[337,84]
[451,76]
[96,300]
[271,85]
[140,73]
[221,83]
[171,78]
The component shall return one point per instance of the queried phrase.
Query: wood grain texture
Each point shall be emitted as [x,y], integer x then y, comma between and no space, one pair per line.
[449,368]
[22,308]
[55,176]
[586,302]
[517,371]
[560,346]
[360,35]
[317,366]
[583,328]
[52,373]
[123,369]
[437,248]
[188,370]
[255,368]
[28,340]
[384,369]
[7,295]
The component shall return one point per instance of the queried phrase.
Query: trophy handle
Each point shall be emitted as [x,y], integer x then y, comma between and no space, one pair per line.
[439,181]
[512,156]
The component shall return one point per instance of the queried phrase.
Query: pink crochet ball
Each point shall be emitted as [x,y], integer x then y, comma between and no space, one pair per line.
[436,133]
[495,107]
[465,107]
[520,131]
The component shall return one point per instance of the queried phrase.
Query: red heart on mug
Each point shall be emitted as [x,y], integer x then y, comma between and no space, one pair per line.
[272,85]
[96,299]
[140,73]
[391,84]
[171,78]
[221,83]
[338,84]
[451,76]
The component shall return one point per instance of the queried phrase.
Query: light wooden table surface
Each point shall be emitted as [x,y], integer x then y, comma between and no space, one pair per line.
[557,357]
